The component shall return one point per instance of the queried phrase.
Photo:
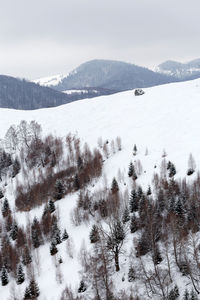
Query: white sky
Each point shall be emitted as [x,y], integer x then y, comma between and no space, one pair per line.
[45,37]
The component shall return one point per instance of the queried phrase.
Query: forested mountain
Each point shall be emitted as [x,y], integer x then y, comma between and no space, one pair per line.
[21,94]
[113,75]
[182,71]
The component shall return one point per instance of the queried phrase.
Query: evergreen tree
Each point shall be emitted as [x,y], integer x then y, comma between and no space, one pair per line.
[4,276]
[130,170]
[134,176]
[133,224]
[149,191]
[26,257]
[169,165]
[114,186]
[5,208]
[76,182]
[131,274]
[20,275]
[133,202]
[126,216]
[51,206]
[172,170]
[1,194]
[139,192]
[65,235]
[33,289]
[134,150]
[36,233]
[14,231]
[94,234]
[82,288]
[53,248]
[59,189]
[55,233]
[27,295]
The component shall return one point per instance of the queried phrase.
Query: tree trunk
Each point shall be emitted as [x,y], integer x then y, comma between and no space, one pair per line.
[117,268]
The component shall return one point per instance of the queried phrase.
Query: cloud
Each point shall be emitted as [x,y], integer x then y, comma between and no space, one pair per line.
[43,37]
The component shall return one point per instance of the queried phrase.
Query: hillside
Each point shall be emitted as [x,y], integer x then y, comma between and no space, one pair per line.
[21,94]
[182,71]
[112,75]
[163,125]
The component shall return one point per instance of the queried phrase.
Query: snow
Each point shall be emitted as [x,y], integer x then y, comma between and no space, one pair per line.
[165,117]
[50,80]
[79,91]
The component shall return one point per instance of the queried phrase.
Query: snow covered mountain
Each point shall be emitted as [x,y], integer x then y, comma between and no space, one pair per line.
[112,75]
[164,118]
[189,70]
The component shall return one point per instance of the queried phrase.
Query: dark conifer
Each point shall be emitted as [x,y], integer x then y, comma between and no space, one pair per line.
[4,276]
[82,288]
[65,235]
[94,234]
[36,233]
[172,170]
[53,248]
[133,224]
[5,208]
[76,182]
[34,289]
[149,191]
[59,189]
[126,215]
[133,202]
[20,275]
[51,206]
[14,231]
[15,167]
[1,194]
[135,150]
[114,186]
[130,170]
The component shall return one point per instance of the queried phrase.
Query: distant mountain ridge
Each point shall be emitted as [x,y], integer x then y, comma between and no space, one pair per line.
[182,71]
[21,94]
[108,74]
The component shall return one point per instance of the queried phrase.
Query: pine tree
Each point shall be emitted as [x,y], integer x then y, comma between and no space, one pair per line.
[130,170]
[133,202]
[133,224]
[51,206]
[76,182]
[172,170]
[27,295]
[149,191]
[59,189]
[53,248]
[65,235]
[114,186]
[5,208]
[82,288]
[126,216]
[26,257]
[33,289]
[14,231]
[134,176]
[174,293]
[1,194]
[134,150]
[55,233]
[4,276]
[20,275]
[131,274]
[36,233]
[169,165]
[94,234]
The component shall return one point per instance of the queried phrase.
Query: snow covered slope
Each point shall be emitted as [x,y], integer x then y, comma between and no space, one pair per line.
[165,117]
[50,81]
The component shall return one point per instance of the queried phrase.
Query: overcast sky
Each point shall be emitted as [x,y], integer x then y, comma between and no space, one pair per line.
[46,37]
